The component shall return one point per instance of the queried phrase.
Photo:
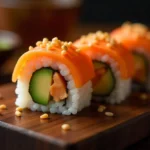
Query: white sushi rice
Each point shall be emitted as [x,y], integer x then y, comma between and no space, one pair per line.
[122,86]
[78,98]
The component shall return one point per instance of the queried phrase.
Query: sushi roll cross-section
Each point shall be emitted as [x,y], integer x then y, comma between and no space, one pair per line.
[135,38]
[52,77]
[112,70]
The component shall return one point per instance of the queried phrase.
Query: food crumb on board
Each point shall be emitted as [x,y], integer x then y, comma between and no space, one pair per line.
[19,109]
[66,127]
[101,108]
[1,96]
[44,116]
[144,96]
[109,114]
[18,113]
[3,106]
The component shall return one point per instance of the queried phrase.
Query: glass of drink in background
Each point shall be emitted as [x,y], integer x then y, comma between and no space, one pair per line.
[35,19]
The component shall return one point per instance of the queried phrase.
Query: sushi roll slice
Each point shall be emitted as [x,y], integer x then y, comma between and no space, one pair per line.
[112,81]
[134,37]
[52,77]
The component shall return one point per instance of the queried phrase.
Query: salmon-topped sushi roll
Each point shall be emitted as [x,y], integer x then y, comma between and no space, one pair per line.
[52,77]
[135,38]
[112,80]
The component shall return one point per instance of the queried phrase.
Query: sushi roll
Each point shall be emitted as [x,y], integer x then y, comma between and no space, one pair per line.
[112,81]
[52,77]
[135,38]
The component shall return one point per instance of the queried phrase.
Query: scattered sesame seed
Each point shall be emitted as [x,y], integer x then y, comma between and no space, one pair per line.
[3,106]
[66,127]
[19,109]
[18,113]
[44,116]
[109,114]
[101,108]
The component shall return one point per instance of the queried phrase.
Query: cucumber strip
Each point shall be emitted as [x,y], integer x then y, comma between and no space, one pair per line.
[39,87]
[105,81]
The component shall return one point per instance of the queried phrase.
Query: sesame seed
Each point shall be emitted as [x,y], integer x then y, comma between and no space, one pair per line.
[49,47]
[70,43]
[101,108]
[19,109]
[109,45]
[44,116]
[99,32]
[96,38]
[66,127]
[66,44]
[38,43]
[18,113]
[42,45]
[63,52]
[109,114]
[55,39]
[64,47]
[30,48]
[3,106]
[56,43]
[45,40]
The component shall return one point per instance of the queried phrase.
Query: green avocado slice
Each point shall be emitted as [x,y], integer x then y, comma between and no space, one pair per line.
[141,68]
[39,87]
[104,82]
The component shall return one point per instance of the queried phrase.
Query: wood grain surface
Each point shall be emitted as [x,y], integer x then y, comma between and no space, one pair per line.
[90,129]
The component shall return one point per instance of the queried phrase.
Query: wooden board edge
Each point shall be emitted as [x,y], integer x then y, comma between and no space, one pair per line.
[14,136]
[132,130]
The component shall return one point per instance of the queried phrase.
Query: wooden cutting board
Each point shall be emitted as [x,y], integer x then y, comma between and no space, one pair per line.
[90,129]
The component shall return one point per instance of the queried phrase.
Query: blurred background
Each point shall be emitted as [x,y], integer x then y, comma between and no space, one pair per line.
[23,22]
